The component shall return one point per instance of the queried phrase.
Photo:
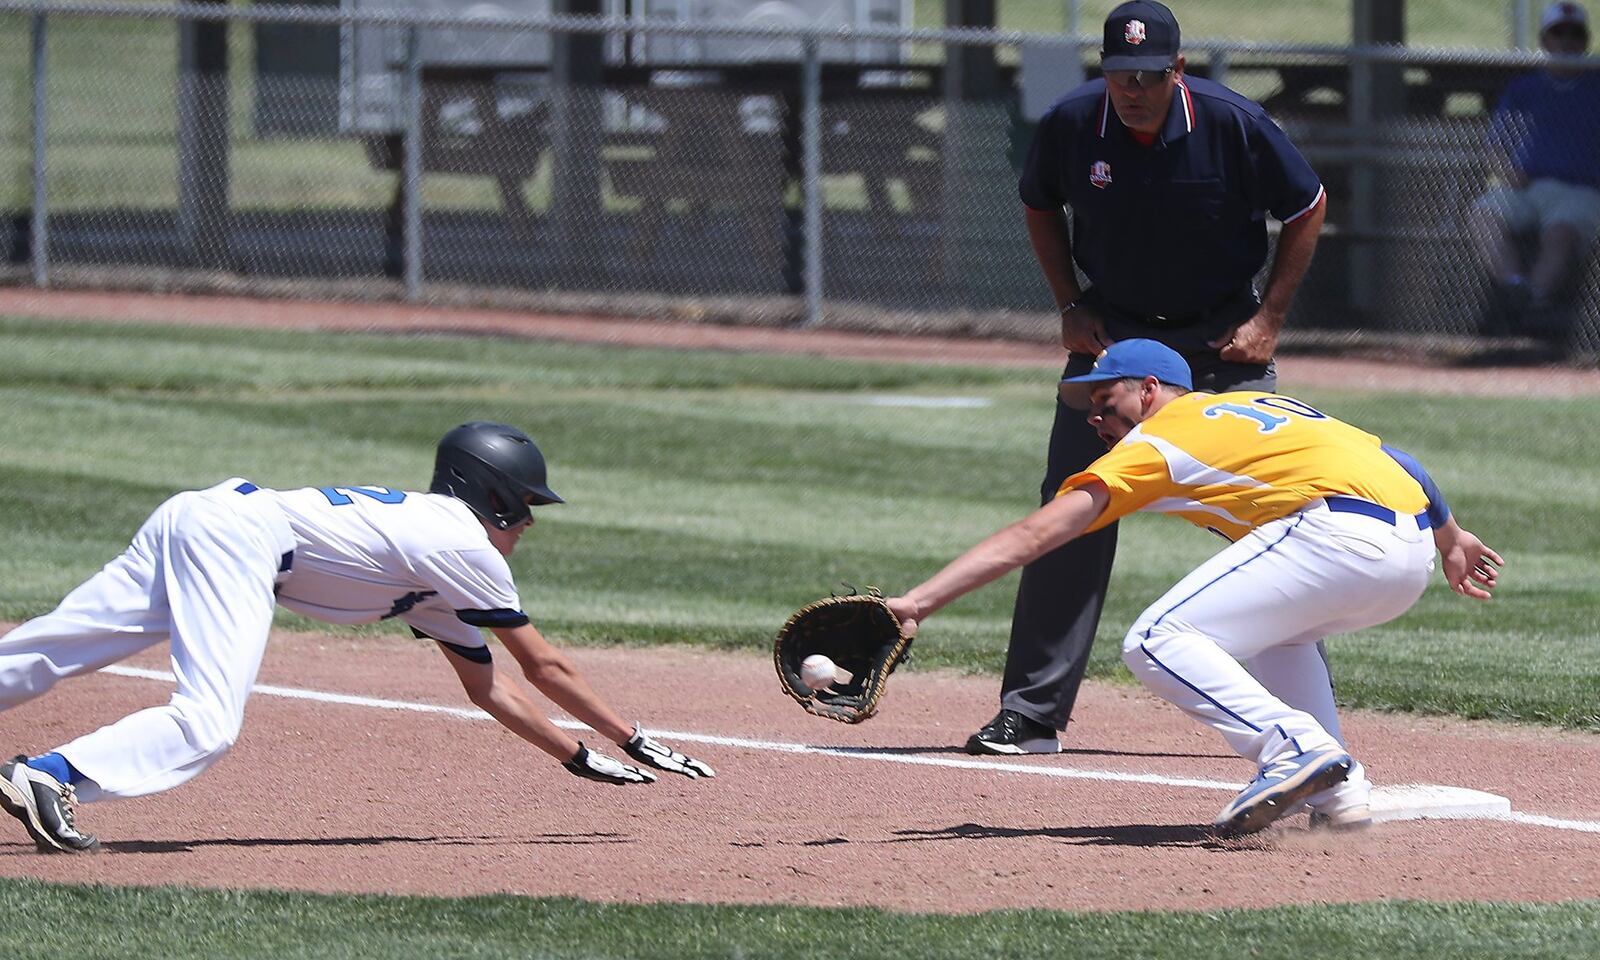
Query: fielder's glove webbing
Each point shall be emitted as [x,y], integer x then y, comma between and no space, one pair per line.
[860,635]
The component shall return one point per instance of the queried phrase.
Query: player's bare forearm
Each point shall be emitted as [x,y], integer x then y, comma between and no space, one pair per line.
[1021,543]
[556,677]
[518,713]
[499,697]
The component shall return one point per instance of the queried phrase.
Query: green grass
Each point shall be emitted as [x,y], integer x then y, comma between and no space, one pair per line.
[712,493]
[175,923]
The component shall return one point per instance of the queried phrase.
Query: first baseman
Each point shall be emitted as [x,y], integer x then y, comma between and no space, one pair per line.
[1330,533]
[206,571]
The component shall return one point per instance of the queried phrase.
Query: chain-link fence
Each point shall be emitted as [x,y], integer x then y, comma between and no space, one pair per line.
[634,162]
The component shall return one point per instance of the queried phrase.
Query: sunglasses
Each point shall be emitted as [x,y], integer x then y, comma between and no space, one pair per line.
[1576,31]
[1143,79]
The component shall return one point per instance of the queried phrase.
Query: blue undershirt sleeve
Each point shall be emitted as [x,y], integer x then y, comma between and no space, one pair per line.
[1438,510]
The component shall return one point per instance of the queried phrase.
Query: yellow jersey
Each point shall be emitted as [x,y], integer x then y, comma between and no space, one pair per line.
[1231,462]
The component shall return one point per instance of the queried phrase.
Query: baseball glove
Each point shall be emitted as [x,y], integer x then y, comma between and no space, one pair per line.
[860,635]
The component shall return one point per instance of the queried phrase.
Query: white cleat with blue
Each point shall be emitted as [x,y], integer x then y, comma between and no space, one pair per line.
[1280,788]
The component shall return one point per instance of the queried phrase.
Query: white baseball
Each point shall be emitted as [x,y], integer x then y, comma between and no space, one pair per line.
[817,671]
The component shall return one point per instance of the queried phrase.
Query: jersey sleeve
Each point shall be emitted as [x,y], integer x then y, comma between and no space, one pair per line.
[437,621]
[1038,186]
[1438,510]
[1289,187]
[476,584]
[1134,474]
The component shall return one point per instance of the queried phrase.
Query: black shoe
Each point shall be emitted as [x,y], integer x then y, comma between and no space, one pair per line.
[1012,733]
[44,805]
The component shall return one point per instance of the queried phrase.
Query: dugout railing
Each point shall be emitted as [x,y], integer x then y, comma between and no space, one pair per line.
[797,189]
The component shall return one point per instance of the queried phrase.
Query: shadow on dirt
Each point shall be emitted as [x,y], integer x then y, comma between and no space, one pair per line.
[1116,835]
[188,846]
[945,748]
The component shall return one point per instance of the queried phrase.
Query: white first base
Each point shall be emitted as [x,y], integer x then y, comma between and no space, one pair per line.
[1426,801]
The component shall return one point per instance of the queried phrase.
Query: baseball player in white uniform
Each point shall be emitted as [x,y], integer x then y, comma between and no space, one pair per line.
[205,572]
[1330,533]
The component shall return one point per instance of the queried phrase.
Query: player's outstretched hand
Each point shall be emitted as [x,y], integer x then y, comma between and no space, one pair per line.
[646,750]
[1470,567]
[907,613]
[597,766]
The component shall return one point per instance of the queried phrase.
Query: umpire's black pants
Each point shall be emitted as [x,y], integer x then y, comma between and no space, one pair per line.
[1061,595]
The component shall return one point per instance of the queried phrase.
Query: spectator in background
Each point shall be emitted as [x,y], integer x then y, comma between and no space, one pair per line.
[1546,133]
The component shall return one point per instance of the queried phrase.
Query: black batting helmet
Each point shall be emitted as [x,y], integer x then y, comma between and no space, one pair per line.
[494,469]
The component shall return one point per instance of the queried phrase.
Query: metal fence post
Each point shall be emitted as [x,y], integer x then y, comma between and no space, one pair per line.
[1520,34]
[411,168]
[204,143]
[1219,67]
[811,176]
[38,224]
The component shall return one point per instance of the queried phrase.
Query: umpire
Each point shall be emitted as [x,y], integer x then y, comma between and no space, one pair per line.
[1169,179]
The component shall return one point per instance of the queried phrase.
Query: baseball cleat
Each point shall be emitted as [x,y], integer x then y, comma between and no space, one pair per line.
[1357,816]
[1280,787]
[1347,806]
[45,806]
[1012,733]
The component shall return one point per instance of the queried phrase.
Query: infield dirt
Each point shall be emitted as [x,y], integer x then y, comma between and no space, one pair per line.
[1324,371]
[339,797]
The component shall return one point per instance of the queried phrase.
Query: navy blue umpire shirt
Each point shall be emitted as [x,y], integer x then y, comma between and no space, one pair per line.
[1177,227]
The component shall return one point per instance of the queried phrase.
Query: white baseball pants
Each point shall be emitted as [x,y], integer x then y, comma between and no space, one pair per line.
[200,572]
[1235,643]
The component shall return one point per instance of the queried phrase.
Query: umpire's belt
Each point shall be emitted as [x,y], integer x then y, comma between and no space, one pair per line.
[1237,307]
[1369,509]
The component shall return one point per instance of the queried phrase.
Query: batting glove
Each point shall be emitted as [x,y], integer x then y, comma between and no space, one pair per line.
[597,766]
[645,750]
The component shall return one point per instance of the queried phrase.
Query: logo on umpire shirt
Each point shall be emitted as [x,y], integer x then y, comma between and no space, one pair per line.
[1133,33]
[1100,174]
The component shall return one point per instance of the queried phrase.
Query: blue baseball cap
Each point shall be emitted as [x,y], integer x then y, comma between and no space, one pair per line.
[1129,358]
[1140,35]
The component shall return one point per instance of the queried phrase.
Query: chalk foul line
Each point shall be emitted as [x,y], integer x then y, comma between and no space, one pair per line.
[1437,802]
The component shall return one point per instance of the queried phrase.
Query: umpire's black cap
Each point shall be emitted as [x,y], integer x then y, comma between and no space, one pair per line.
[1140,35]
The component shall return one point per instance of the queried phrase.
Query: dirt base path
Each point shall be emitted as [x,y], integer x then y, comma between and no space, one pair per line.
[341,797]
[400,318]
